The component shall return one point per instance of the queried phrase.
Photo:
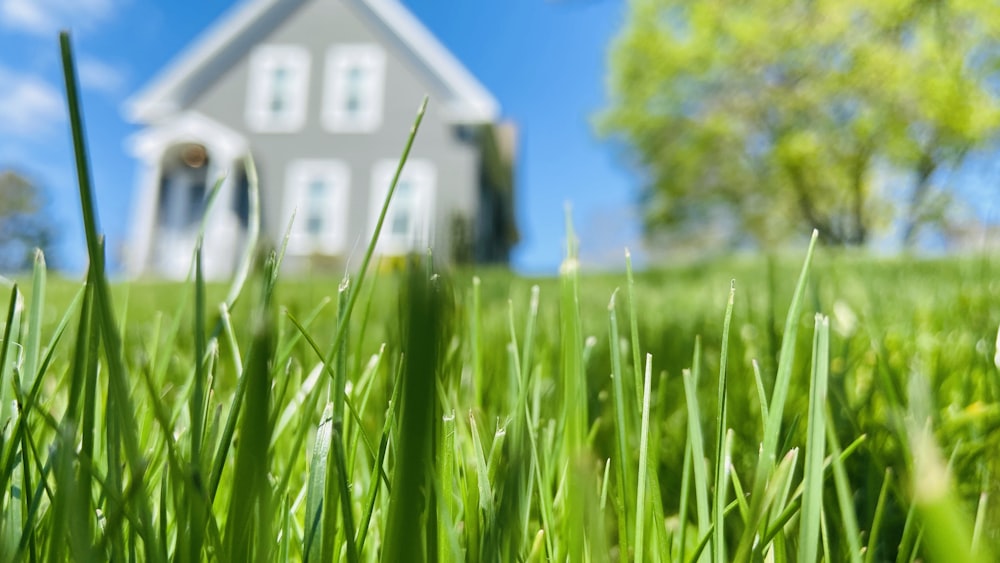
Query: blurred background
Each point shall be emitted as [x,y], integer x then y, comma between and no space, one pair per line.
[543,61]
[678,129]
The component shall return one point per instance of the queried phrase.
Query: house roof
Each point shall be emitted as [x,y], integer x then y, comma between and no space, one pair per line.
[230,38]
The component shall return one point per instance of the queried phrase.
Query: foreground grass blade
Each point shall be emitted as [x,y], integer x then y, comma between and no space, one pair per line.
[947,528]
[812,481]
[123,411]
[33,340]
[873,535]
[776,409]
[721,424]
[697,446]
[312,546]
[640,508]
[624,470]
[249,533]
[574,416]
[844,497]
[425,322]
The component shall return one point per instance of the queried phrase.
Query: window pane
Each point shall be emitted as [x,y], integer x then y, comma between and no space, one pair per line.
[355,78]
[314,226]
[401,222]
[315,206]
[317,192]
[279,90]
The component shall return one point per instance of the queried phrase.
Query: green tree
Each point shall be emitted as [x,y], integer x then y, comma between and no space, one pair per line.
[24,223]
[771,116]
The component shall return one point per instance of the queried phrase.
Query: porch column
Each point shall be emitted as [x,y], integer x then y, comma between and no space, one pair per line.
[144,211]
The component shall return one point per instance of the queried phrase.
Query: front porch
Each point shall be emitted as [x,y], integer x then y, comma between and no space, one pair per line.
[180,162]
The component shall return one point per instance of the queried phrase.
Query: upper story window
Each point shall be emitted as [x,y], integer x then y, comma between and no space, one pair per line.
[278,89]
[353,93]
[317,192]
[409,221]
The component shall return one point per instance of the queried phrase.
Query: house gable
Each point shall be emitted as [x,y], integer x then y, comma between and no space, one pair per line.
[464,99]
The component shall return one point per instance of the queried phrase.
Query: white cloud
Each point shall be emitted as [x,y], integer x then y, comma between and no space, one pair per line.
[100,76]
[46,17]
[29,106]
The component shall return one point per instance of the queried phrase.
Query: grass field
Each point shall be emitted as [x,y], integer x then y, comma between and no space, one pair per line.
[892,322]
[818,406]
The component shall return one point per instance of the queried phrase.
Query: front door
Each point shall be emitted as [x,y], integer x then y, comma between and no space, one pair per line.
[183,190]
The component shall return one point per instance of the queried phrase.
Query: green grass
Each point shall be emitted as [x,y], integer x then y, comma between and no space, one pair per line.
[822,406]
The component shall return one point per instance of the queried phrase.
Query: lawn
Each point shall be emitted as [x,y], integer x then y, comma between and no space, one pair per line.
[814,405]
[908,342]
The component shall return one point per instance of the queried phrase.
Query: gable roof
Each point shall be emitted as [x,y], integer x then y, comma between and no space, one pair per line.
[233,35]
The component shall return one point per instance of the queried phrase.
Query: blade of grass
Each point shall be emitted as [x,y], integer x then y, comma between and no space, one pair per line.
[779,397]
[123,410]
[685,495]
[792,506]
[33,341]
[696,441]
[812,481]
[721,463]
[12,329]
[844,494]
[447,535]
[947,529]
[337,360]
[475,340]
[910,541]
[640,505]
[248,534]
[390,418]
[425,322]
[633,317]
[740,495]
[977,529]
[876,528]
[761,394]
[624,470]
[482,471]
[345,496]
[312,545]
[574,417]
[197,412]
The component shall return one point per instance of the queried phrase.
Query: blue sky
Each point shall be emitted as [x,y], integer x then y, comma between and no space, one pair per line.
[544,60]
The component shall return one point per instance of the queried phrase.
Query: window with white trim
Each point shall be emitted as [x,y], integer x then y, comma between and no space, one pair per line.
[278,88]
[409,222]
[316,191]
[353,91]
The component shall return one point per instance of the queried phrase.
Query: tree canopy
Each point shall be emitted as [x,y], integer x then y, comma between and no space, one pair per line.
[24,225]
[772,116]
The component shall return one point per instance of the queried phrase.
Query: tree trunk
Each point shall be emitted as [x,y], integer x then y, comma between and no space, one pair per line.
[861,162]
[913,222]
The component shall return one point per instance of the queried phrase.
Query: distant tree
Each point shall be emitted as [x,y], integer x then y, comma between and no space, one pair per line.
[772,116]
[24,224]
